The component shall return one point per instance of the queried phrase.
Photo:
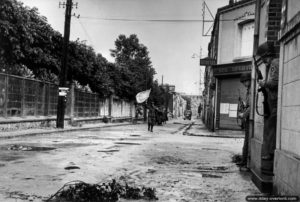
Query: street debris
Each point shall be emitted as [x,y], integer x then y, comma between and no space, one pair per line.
[19,148]
[71,167]
[77,191]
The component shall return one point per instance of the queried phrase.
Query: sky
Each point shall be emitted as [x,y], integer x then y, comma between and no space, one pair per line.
[170,29]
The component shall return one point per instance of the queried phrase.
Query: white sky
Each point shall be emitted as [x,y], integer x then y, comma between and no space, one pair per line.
[170,44]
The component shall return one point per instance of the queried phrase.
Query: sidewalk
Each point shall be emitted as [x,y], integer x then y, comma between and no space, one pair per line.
[48,130]
[199,129]
[68,128]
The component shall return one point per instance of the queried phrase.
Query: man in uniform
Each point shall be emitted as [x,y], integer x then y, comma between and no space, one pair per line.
[151,117]
[267,53]
[245,79]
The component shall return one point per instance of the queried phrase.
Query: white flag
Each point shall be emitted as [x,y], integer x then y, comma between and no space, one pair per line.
[142,96]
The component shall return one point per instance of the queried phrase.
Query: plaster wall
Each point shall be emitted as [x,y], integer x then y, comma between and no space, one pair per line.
[229,34]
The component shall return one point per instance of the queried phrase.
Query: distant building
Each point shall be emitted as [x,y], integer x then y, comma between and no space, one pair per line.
[179,105]
[193,102]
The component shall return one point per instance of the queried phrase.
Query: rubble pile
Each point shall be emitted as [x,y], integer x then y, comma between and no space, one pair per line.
[106,192]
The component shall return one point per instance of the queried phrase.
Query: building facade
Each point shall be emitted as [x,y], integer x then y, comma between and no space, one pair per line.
[267,26]
[287,153]
[278,22]
[231,47]
[179,105]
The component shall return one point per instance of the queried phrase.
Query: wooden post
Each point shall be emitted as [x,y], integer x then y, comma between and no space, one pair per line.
[61,103]
[23,98]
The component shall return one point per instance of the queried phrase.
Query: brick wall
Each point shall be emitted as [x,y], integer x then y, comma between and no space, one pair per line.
[272,25]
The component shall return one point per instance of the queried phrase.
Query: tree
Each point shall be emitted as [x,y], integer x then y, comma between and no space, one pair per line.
[27,41]
[157,94]
[134,66]
[89,68]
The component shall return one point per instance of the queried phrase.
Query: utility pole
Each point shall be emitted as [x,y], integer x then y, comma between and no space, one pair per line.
[63,76]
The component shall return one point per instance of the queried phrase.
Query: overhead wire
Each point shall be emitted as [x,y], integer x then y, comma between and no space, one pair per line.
[85,31]
[156,20]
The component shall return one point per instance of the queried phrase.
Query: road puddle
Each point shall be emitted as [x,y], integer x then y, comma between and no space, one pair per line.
[109,151]
[28,148]
[210,175]
[127,143]
[213,168]
[10,157]
[170,160]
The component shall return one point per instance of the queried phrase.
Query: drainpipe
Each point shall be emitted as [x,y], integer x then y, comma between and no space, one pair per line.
[253,73]
[216,105]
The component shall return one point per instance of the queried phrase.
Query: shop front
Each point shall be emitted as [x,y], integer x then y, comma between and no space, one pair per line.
[229,90]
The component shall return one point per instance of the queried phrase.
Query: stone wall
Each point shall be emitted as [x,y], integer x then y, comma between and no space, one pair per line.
[287,156]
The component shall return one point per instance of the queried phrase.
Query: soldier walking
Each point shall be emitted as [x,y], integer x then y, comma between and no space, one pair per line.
[151,117]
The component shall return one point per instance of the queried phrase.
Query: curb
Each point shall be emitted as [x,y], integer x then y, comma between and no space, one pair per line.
[204,135]
[218,136]
[62,130]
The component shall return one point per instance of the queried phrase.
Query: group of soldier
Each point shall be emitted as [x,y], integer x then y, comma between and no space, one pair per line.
[269,85]
[156,116]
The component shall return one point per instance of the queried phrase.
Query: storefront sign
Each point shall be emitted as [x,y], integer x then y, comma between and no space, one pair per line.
[246,14]
[62,91]
[232,68]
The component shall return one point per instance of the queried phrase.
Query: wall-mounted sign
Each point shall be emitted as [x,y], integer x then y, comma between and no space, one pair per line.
[171,88]
[207,61]
[232,68]
[246,14]
[62,91]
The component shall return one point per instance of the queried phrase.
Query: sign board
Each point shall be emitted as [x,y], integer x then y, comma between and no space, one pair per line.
[207,61]
[171,88]
[232,68]
[62,91]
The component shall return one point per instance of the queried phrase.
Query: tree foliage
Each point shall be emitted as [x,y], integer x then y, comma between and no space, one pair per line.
[27,40]
[31,47]
[134,66]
